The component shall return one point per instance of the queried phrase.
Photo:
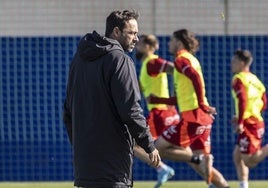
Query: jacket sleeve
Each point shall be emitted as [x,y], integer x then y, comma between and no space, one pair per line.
[126,96]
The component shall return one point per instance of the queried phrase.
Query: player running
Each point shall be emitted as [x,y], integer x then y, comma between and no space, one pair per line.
[153,80]
[193,132]
[250,101]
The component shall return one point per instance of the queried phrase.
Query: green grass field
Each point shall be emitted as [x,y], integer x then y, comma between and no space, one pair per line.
[137,184]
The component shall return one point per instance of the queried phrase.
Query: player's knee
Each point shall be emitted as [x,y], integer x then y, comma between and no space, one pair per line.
[250,163]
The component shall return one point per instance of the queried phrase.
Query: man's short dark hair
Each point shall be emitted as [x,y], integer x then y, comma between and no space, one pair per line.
[244,55]
[118,19]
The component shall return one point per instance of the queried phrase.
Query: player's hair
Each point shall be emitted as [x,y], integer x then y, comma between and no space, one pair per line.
[244,55]
[150,39]
[118,19]
[190,42]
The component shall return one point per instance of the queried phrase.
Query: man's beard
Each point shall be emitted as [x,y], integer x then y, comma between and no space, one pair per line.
[139,55]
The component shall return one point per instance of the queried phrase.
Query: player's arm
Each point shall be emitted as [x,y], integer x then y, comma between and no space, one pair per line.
[183,65]
[152,99]
[264,100]
[159,65]
[240,92]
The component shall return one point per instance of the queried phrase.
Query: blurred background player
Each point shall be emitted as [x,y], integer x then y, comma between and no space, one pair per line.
[193,132]
[250,101]
[153,79]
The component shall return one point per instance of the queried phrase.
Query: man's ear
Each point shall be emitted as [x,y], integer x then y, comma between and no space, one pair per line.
[179,44]
[116,31]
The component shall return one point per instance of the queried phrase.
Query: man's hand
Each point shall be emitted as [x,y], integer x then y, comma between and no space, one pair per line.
[212,110]
[209,109]
[234,120]
[237,128]
[155,158]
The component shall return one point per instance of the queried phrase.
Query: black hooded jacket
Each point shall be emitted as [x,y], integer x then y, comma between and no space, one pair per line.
[102,113]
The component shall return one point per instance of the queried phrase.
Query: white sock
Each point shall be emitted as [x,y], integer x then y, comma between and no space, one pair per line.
[243,184]
[211,185]
[162,167]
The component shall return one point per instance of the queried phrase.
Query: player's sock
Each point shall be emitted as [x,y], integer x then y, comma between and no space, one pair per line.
[211,185]
[161,167]
[195,159]
[243,184]
[163,174]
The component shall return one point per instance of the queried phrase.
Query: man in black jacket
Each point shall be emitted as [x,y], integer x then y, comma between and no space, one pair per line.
[102,111]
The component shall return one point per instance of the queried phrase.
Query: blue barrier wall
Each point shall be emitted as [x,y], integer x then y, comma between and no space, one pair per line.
[33,141]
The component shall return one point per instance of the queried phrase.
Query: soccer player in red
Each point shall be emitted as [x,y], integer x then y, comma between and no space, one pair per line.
[193,132]
[250,101]
[153,80]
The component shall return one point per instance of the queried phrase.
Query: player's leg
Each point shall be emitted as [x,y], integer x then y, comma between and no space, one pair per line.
[250,144]
[159,120]
[202,146]
[172,152]
[164,172]
[252,160]
[141,154]
[175,153]
[217,178]
[174,143]
[241,169]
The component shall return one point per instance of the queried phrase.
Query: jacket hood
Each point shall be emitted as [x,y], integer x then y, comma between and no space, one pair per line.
[92,46]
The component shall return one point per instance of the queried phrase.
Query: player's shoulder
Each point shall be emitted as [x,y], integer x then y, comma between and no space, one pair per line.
[156,60]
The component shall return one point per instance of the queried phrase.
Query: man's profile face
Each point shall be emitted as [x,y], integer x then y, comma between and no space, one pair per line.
[172,44]
[129,36]
[236,64]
